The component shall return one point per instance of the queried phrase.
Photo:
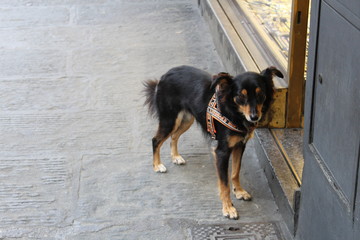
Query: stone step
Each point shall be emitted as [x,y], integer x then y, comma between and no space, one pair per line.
[283,176]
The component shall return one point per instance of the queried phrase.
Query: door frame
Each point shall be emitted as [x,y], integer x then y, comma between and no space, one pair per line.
[296,63]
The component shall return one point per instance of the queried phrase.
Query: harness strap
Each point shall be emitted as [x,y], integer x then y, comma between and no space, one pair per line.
[213,112]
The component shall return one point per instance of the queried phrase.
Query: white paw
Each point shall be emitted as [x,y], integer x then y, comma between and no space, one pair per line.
[230,212]
[178,160]
[160,168]
[242,195]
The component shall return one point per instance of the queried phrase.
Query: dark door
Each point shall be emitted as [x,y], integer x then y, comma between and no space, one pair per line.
[330,194]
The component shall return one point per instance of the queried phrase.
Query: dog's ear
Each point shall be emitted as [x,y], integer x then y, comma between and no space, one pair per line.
[270,72]
[223,80]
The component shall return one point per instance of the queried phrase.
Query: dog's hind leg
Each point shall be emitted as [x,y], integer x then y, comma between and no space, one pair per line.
[166,126]
[184,121]
[239,192]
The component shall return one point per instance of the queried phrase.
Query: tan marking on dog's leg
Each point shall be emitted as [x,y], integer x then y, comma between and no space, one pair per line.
[233,140]
[186,120]
[228,208]
[158,141]
[239,192]
[157,164]
[224,190]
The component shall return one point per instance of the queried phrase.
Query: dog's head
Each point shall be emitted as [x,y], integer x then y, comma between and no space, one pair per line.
[249,93]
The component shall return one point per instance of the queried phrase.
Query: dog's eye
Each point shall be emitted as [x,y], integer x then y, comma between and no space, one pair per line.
[240,99]
[260,97]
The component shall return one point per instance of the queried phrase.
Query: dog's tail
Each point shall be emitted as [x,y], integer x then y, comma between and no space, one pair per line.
[150,95]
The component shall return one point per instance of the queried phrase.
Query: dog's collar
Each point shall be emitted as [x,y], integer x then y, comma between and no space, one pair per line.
[213,112]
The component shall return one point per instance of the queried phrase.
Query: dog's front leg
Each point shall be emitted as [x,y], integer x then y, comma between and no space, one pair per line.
[237,154]
[222,154]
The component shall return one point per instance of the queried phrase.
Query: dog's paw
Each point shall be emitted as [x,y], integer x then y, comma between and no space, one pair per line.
[230,212]
[242,195]
[160,168]
[178,160]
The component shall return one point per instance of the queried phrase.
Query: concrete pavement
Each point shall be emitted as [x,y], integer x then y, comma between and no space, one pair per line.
[75,142]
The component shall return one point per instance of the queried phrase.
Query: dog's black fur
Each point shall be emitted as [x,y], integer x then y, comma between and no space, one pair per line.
[183,93]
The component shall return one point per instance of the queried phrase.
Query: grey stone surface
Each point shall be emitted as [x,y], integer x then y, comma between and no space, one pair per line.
[292,141]
[75,158]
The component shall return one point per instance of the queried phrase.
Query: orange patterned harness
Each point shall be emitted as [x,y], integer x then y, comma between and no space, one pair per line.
[213,112]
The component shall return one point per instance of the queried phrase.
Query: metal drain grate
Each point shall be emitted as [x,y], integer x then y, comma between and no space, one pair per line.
[241,231]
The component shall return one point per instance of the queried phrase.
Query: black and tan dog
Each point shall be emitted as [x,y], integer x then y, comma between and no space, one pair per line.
[226,107]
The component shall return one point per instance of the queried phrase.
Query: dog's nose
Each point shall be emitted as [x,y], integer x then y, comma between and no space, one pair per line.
[254,117]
